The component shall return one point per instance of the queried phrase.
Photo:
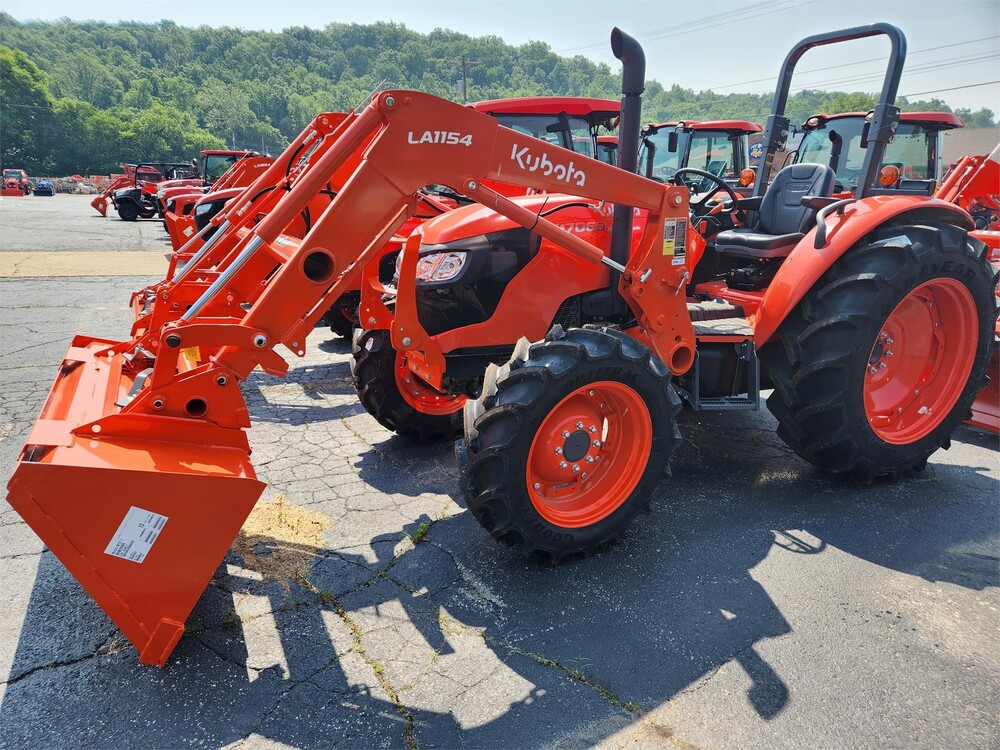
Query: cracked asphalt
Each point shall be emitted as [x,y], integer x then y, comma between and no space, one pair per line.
[760,605]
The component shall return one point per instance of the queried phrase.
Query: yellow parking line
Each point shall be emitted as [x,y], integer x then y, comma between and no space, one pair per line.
[98,263]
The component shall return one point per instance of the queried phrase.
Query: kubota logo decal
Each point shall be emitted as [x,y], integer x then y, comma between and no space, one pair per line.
[443,137]
[530,163]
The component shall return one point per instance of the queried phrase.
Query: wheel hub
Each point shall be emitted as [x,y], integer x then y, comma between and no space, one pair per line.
[576,446]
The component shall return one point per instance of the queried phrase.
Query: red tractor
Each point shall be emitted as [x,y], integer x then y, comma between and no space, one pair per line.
[874,331]
[15,183]
[914,155]
[482,281]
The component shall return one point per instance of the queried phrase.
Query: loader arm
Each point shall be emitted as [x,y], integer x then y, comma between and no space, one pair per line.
[150,432]
[410,140]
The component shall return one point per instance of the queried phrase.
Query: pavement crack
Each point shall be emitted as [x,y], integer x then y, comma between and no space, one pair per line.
[577,675]
[357,636]
[105,648]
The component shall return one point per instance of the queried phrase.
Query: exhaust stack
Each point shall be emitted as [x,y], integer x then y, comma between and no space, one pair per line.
[633,60]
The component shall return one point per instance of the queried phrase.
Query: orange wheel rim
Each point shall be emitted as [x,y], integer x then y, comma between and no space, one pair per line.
[920,361]
[589,454]
[421,396]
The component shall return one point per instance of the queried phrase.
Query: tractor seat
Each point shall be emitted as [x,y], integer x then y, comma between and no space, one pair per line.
[782,219]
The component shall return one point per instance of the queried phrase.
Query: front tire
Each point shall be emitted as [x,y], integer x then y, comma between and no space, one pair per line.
[881,360]
[419,413]
[568,441]
[127,211]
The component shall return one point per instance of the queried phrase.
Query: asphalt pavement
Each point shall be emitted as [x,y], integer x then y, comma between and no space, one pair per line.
[762,604]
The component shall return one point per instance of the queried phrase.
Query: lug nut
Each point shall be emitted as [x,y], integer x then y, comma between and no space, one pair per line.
[565,433]
[881,365]
[597,443]
[579,425]
[563,464]
[590,459]
[537,485]
[593,429]
[889,341]
[559,451]
[591,392]
[576,468]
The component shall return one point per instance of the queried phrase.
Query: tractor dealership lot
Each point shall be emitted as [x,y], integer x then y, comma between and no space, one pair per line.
[761,604]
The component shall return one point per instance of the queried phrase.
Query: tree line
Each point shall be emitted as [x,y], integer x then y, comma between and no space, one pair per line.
[87,96]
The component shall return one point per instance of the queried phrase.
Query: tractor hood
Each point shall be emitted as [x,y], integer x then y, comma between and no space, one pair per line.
[476,220]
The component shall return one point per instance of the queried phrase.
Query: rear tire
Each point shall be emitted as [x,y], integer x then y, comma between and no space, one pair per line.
[420,415]
[568,441]
[882,359]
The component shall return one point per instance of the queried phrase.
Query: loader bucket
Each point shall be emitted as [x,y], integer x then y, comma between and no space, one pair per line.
[140,512]
[100,204]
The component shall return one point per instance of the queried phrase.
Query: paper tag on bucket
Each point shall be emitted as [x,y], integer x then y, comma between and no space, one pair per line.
[136,534]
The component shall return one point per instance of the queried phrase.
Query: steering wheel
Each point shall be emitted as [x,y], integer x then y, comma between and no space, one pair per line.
[720,184]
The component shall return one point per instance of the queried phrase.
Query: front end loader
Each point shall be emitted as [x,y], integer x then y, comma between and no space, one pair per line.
[151,431]
[571,436]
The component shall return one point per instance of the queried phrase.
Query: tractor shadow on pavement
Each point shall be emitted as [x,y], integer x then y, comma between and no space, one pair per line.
[432,635]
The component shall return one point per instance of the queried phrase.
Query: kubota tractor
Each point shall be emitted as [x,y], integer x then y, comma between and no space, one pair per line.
[914,155]
[15,183]
[181,207]
[874,332]
[483,280]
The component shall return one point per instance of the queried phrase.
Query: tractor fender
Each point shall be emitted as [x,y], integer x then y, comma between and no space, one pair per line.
[806,264]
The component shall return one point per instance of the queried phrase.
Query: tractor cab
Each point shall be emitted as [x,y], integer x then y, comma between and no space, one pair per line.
[912,161]
[720,147]
[573,122]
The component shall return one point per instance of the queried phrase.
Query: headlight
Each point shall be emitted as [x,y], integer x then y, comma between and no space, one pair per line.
[436,266]
[160,193]
[203,208]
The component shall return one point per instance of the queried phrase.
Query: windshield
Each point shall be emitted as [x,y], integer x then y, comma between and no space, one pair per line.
[217,165]
[912,150]
[12,173]
[573,133]
[713,151]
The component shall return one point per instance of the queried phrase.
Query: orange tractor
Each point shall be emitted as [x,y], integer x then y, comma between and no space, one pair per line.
[180,206]
[15,183]
[482,281]
[874,331]
[914,155]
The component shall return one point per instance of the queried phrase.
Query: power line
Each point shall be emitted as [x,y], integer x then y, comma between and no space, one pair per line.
[699,23]
[953,88]
[857,62]
[916,70]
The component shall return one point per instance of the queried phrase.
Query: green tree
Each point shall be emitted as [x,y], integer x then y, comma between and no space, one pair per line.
[25,105]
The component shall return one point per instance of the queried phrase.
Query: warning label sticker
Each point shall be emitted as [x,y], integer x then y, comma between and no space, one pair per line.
[674,234]
[136,534]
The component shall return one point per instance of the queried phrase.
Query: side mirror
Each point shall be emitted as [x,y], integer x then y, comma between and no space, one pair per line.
[672,141]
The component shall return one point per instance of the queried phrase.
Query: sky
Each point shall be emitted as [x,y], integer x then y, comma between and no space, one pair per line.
[722,45]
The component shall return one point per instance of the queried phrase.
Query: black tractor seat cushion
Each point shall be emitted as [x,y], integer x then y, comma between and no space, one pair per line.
[750,243]
[782,219]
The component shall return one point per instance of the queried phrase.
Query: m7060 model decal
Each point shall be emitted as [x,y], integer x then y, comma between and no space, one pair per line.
[443,137]
[531,163]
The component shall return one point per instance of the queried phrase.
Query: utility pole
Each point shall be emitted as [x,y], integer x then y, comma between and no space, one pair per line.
[465,75]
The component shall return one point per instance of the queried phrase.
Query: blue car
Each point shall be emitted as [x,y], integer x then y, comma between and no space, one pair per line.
[44,187]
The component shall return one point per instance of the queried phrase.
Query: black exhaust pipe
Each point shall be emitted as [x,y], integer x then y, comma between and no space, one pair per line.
[633,60]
